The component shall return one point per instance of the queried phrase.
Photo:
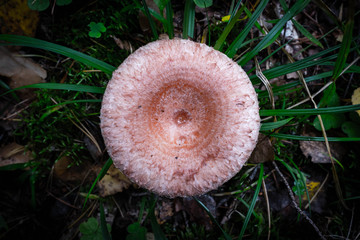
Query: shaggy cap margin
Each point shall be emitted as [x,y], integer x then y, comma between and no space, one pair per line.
[179,118]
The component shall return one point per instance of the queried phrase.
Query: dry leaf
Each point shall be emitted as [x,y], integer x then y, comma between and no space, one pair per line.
[21,71]
[355,99]
[113,182]
[14,153]
[126,45]
[263,151]
[17,18]
[317,151]
[65,171]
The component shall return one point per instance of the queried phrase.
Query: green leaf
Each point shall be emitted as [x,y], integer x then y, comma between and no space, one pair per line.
[273,125]
[136,232]
[329,121]
[38,5]
[96,29]
[203,3]
[36,43]
[89,227]
[63,2]
[352,129]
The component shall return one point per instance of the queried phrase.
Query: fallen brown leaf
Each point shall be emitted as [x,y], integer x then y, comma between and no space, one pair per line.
[113,182]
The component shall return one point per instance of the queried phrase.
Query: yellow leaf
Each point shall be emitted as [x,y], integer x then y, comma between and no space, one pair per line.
[355,99]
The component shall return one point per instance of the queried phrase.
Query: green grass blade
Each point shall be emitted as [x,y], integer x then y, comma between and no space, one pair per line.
[101,174]
[306,33]
[345,47]
[74,101]
[151,21]
[318,139]
[253,202]
[329,12]
[272,35]
[219,43]
[226,236]
[68,52]
[313,111]
[169,19]
[273,125]
[313,60]
[303,30]
[158,233]
[235,45]
[104,230]
[189,19]
[61,86]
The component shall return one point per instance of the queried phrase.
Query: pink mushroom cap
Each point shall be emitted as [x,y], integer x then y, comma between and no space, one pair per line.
[179,118]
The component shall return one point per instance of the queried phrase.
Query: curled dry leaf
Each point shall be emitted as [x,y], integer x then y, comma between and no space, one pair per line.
[14,153]
[113,182]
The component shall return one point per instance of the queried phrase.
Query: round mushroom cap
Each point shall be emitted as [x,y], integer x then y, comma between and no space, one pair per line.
[179,118]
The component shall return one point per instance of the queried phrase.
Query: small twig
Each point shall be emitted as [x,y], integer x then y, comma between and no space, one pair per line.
[64,202]
[301,212]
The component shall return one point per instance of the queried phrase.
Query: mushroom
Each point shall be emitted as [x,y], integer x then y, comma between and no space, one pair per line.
[179,118]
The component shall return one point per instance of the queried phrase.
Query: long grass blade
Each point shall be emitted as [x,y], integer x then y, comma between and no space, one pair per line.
[235,45]
[345,45]
[151,21]
[219,43]
[272,35]
[313,111]
[317,139]
[158,233]
[303,30]
[169,20]
[226,236]
[101,174]
[253,202]
[189,19]
[61,86]
[15,40]
[274,125]
[104,230]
